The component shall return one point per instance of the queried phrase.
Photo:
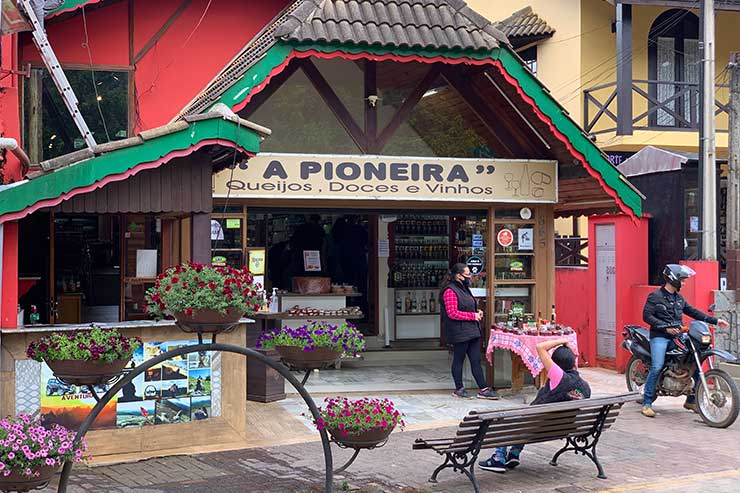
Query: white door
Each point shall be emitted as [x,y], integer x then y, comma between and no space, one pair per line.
[606,300]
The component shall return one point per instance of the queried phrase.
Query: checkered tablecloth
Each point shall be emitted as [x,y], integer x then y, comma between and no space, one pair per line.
[525,346]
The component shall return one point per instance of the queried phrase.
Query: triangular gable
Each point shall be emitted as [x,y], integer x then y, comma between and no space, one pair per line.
[263,60]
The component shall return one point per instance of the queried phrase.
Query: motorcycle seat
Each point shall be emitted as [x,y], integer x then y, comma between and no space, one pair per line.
[642,331]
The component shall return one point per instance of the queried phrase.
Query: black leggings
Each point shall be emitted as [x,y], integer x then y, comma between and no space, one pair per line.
[472,349]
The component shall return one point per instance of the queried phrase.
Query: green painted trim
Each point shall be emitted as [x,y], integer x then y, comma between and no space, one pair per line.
[86,173]
[255,76]
[550,107]
[278,54]
[70,5]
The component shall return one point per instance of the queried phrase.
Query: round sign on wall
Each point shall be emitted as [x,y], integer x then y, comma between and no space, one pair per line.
[475,264]
[505,237]
[525,213]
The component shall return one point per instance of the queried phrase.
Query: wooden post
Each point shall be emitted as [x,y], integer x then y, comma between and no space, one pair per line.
[733,179]
[624,69]
[35,117]
[491,291]
[200,234]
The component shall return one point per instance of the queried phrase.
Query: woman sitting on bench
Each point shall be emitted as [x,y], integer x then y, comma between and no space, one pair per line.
[563,384]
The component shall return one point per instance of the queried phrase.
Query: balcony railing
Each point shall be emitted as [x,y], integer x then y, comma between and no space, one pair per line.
[569,252]
[656,105]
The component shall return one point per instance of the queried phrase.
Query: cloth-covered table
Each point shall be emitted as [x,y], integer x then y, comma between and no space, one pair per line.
[525,346]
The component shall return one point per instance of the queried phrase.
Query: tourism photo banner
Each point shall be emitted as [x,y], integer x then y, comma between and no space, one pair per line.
[175,391]
[276,175]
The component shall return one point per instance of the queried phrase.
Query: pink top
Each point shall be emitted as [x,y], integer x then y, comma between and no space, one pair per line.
[554,376]
[450,299]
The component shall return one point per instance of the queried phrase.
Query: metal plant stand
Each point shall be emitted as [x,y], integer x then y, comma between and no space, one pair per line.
[102,401]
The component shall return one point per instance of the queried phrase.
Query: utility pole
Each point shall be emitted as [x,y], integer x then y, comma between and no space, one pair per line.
[733,178]
[707,166]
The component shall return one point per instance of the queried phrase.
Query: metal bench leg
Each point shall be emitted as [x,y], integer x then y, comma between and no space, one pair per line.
[586,444]
[444,465]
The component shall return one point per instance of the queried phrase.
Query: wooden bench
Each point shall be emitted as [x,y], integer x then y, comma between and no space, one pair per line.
[580,423]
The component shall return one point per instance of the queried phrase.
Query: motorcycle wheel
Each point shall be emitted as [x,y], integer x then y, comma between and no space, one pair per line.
[636,375]
[718,408]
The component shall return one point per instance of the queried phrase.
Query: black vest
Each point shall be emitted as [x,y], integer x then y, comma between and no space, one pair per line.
[460,330]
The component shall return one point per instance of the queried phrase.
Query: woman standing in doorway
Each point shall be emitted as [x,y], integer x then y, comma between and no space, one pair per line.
[461,323]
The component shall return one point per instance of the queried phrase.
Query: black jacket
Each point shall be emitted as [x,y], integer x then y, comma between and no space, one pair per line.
[460,330]
[664,310]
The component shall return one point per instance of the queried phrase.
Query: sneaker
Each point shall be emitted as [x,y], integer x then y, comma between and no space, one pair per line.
[487,393]
[461,394]
[512,461]
[691,406]
[492,465]
[648,411]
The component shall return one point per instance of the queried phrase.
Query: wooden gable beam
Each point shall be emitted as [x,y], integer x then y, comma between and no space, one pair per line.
[335,104]
[266,93]
[407,106]
[158,35]
[507,137]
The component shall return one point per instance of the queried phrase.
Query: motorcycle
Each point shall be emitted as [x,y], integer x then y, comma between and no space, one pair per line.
[717,395]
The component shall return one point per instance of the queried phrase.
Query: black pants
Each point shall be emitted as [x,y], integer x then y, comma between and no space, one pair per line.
[472,349]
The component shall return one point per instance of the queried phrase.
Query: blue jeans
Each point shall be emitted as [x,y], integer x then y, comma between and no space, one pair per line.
[499,455]
[658,347]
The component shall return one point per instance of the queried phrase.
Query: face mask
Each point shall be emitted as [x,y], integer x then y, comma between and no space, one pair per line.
[466,282]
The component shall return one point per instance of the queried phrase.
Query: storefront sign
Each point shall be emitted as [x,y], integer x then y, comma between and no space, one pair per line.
[526,239]
[505,238]
[296,176]
[475,264]
[233,223]
[311,260]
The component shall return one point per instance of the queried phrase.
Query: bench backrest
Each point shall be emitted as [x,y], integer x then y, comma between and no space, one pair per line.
[541,423]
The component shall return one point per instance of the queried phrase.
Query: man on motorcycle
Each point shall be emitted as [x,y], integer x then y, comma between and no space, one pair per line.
[663,310]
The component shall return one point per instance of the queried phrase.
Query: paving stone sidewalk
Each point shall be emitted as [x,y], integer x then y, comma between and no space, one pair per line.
[673,453]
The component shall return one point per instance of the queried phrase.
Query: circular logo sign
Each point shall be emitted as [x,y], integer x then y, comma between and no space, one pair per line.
[505,237]
[525,213]
[475,264]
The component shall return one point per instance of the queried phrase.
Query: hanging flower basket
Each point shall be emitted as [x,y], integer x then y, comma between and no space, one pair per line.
[18,481]
[32,451]
[207,321]
[85,357]
[314,345]
[361,439]
[202,298]
[364,423]
[316,359]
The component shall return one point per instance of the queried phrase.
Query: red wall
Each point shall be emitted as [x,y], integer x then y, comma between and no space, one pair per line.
[201,42]
[571,288]
[631,263]
[9,107]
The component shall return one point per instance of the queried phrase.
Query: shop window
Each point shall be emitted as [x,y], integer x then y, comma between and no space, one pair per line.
[442,125]
[103,102]
[300,121]
[347,79]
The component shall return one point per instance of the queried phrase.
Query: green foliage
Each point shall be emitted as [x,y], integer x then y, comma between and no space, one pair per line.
[95,344]
[316,334]
[190,287]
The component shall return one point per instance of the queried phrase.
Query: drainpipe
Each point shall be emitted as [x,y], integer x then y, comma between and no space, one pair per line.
[12,144]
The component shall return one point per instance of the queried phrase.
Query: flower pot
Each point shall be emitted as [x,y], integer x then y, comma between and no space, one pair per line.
[17,481]
[365,439]
[308,360]
[207,321]
[87,372]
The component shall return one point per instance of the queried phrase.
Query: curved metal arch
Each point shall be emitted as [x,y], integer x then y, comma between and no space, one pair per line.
[224,348]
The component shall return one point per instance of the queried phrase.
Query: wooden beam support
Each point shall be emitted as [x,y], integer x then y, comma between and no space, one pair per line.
[158,35]
[335,104]
[504,139]
[269,90]
[371,110]
[35,117]
[408,105]
[200,234]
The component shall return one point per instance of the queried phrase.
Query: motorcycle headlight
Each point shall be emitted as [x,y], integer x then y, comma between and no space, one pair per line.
[706,339]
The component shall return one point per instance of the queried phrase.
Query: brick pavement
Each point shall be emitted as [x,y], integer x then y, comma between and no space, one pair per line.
[672,453]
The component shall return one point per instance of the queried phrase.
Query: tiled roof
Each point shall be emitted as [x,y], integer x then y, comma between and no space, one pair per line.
[525,23]
[421,24]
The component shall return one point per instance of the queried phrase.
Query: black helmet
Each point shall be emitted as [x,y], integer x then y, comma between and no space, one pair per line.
[673,274]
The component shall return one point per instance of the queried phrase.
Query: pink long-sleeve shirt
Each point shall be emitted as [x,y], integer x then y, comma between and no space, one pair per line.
[450,300]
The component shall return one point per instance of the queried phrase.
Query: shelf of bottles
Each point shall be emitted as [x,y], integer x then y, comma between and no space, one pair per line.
[515,261]
[513,303]
[421,252]
[468,240]
[417,302]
